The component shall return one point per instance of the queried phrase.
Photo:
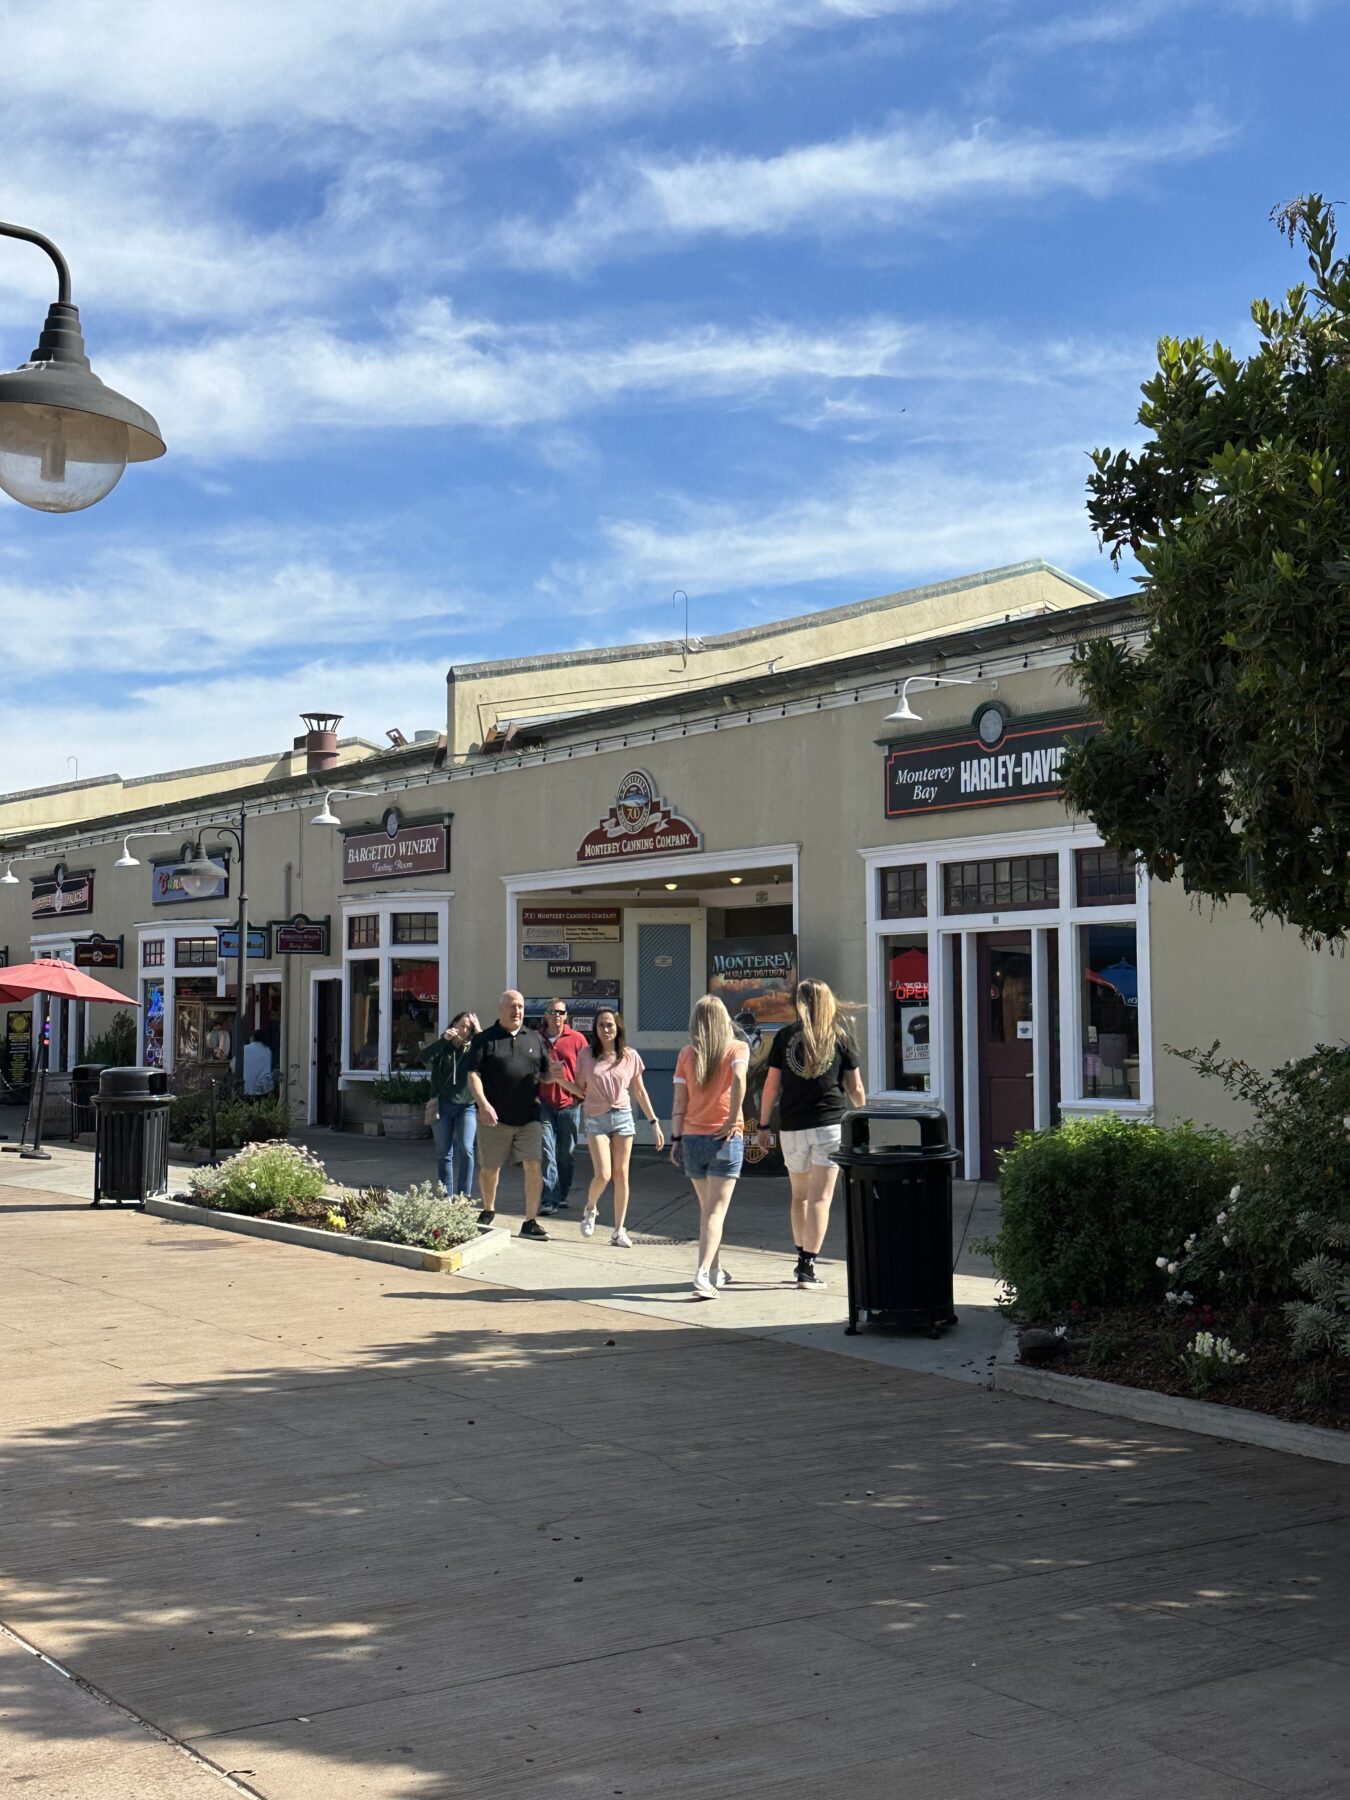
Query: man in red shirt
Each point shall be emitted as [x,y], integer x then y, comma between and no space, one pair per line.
[559,1111]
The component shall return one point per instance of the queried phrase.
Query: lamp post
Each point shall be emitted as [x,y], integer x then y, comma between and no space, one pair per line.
[199,878]
[65,438]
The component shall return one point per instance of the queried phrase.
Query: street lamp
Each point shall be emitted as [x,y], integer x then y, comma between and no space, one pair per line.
[199,878]
[328,816]
[65,439]
[127,861]
[905,711]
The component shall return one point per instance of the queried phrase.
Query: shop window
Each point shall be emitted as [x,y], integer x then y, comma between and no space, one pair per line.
[1001,884]
[904,893]
[152,953]
[152,1020]
[415,928]
[1104,878]
[363,931]
[196,953]
[363,1017]
[414,1007]
[908,1046]
[1110,975]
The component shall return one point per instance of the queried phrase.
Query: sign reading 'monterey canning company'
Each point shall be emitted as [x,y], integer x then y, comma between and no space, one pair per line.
[993,763]
[398,849]
[578,924]
[638,824]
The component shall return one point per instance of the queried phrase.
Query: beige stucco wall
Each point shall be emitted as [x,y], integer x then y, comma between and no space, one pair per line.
[815,779]
[482,694]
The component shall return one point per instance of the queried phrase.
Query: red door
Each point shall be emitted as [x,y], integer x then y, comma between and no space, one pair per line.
[1007,1098]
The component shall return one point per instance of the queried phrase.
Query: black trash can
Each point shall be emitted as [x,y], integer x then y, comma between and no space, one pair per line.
[898,1165]
[83,1087]
[131,1156]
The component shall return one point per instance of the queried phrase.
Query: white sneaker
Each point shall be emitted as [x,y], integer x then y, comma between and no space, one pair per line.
[620,1239]
[704,1288]
[721,1278]
[588,1224]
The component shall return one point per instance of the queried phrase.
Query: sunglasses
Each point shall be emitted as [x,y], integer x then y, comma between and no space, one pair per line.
[557,1012]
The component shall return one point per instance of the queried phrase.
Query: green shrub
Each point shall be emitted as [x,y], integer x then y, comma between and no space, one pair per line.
[240,1119]
[425,1215]
[399,1088]
[1088,1205]
[1279,1226]
[259,1178]
[117,1046]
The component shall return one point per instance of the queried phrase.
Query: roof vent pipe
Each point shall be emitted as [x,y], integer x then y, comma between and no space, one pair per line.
[321,747]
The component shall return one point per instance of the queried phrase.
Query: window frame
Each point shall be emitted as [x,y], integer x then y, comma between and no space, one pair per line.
[383,908]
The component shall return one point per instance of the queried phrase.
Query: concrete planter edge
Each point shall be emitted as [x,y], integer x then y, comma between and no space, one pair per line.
[1173,1410]
[309,1237]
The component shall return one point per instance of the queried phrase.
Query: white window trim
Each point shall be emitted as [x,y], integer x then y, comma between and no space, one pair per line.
[940,928]
[167,971]
[384,906]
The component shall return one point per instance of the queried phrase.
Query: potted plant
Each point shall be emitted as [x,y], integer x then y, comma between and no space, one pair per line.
[402,1100]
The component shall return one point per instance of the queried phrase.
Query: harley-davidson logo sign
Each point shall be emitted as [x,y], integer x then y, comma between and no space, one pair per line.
[639,823]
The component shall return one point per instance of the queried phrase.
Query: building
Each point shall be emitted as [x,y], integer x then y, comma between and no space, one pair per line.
[757,815]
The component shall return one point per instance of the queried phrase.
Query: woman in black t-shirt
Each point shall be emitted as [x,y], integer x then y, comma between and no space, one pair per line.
[813,1078]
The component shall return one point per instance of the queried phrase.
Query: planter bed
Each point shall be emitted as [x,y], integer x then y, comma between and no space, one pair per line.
[291,1228]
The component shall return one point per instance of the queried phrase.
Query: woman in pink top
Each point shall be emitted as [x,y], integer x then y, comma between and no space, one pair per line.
[609,1071]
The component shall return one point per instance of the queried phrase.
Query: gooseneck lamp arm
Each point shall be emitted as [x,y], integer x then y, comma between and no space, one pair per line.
[27,236]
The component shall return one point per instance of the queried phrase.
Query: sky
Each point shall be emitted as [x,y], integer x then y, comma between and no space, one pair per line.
[483,328]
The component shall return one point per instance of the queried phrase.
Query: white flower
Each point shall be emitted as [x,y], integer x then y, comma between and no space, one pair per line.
[1161,1263]
[253,1184]
[1346,1121]
[1181,1299]
[1189,1244]
[1172,1268]
[1222,1219]
[1234,1191]
[1223,1275]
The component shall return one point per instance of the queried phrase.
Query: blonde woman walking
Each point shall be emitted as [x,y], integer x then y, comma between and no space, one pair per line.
[608,1079]
[707,1136]
[813,1078]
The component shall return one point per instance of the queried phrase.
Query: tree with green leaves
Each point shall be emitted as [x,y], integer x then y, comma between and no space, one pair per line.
[1226,755]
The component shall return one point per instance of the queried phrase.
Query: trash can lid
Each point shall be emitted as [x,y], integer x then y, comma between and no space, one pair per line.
[130,1081]
[88,1070]
[896,1125]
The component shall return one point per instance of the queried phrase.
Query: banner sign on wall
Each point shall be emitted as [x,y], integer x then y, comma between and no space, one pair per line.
[995,762]
[578,924]
[259,941]
[596,990]
[61,894]
[167,890]
[548,952]
[755,978]
[638,824]
[397,849]
[99,953]
[300,936]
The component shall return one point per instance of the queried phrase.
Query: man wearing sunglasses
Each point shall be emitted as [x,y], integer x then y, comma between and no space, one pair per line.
[559,1110]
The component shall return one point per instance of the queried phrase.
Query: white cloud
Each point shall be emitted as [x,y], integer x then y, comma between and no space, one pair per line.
[904,173]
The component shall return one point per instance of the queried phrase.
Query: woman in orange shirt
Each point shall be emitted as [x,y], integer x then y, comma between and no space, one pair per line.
[706,1134]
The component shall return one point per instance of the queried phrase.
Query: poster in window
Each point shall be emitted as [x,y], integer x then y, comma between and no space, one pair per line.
[914,1038]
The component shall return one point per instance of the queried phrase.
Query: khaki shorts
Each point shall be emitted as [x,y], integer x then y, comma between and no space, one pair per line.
[501,1144]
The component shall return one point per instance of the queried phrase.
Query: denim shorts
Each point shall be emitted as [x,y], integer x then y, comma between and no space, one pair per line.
[719,1157]
[617,1122]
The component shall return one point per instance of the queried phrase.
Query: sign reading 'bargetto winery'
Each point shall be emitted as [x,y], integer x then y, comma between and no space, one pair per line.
[398,849]
[638,824]
[994,763]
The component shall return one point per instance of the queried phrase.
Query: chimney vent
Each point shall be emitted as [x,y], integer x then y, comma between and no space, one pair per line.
[321,751]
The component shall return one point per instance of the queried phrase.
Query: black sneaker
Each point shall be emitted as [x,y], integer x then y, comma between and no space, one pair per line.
[533,1229]
[807,1277]
[487,1218]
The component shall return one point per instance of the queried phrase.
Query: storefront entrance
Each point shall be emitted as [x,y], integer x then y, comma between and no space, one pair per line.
[1007,1043]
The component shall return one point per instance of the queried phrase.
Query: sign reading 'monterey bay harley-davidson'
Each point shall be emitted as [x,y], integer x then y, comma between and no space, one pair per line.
[993,763]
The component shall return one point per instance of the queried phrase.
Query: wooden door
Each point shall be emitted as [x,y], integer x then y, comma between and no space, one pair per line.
[1006,1046]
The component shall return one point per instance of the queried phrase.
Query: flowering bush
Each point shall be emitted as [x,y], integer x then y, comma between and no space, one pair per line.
[1087,1206]
[1290,1201]
[425,1216]
[1209,1361]
[260,1177]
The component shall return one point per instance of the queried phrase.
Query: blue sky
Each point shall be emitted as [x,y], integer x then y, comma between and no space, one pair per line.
[480,328]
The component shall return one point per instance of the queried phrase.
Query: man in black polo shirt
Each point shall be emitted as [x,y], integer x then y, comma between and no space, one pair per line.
[506,1064]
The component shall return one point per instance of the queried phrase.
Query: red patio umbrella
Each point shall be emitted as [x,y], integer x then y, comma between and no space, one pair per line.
[53,975]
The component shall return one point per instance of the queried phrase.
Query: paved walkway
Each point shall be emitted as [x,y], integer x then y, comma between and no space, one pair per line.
[343,1530]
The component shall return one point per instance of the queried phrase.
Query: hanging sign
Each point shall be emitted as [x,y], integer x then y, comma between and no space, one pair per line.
[259,941]
[561,971]
[549,952]
[638,824]
[578,924]
[397,849]
[994,762]
[300,936]
[167,890]
[99,953]
[63,893]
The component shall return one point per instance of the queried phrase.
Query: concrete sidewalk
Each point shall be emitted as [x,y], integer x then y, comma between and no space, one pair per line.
[654,1278]
[346,1531]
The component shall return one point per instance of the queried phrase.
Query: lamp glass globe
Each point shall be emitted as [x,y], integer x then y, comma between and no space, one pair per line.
[57,460]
